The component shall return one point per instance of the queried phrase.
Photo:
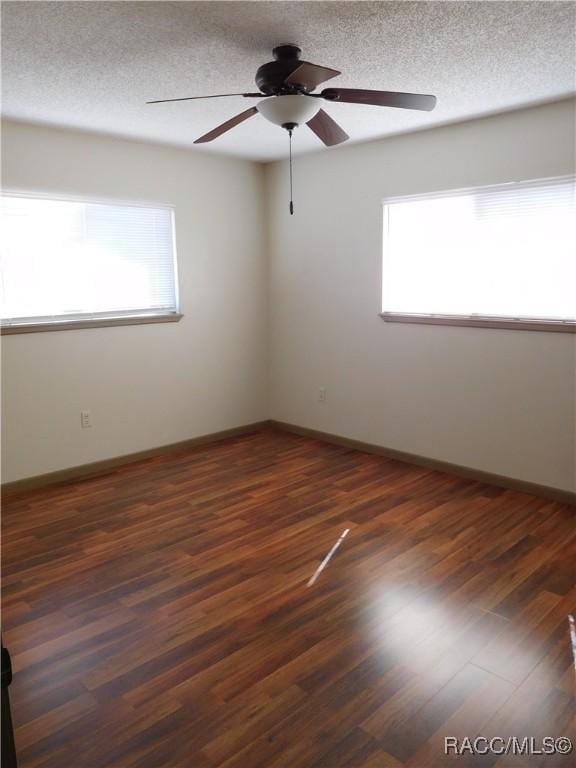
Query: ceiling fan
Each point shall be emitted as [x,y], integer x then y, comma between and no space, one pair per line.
[287,99]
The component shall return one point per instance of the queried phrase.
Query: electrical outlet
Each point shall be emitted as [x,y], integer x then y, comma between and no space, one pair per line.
[322,395]
[85,419]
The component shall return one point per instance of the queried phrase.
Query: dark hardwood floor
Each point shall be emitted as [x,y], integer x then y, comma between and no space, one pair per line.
[161,615]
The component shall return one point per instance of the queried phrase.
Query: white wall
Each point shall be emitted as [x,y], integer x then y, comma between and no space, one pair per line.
[146,385]
[502,401]
[496,400]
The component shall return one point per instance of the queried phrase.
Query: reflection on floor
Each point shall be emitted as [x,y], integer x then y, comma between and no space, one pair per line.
[160,615]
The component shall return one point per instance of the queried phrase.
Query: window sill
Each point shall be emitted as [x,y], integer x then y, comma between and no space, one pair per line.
[99,322]
[480,321]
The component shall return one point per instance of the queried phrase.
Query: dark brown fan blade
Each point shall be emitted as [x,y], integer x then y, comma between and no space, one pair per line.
[215,132]
[327,129]
[310,75]
[217,96]
[381,98]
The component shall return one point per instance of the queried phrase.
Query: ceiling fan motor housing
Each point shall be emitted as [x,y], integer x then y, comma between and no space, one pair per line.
[271,77]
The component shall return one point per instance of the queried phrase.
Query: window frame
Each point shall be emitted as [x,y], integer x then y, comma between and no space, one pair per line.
[95,319]
[474,320]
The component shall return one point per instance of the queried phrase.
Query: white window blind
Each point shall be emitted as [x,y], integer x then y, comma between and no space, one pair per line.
[71,260]
[505,251]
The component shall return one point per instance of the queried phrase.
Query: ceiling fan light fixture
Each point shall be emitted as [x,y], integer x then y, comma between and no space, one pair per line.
[292,109]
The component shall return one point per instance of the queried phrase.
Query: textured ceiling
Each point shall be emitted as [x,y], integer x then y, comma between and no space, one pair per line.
[92,65]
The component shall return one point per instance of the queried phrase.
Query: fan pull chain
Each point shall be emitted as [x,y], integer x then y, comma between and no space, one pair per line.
[290,144]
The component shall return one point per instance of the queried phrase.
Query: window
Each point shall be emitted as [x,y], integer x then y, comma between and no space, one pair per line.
[71,263]
[493,256]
